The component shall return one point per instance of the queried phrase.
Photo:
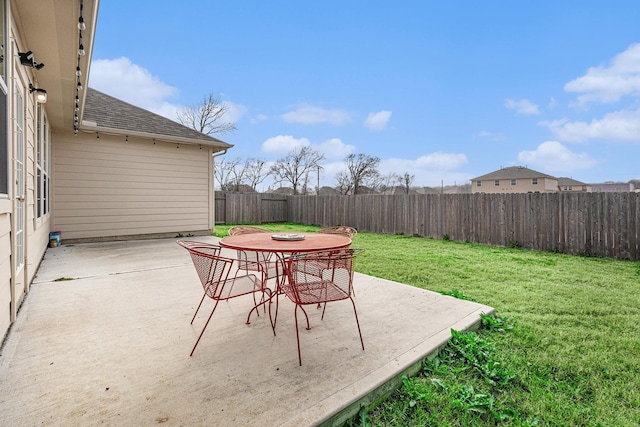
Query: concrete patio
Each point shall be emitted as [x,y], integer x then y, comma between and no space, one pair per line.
[111,346]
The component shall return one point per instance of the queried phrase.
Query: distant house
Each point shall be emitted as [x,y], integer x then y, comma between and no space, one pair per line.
[514,179]
[612,187]
[569,184]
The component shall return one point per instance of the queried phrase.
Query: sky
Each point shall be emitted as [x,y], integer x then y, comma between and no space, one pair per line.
[444,90]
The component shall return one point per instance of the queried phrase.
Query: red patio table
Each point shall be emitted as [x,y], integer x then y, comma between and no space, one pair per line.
[284,243]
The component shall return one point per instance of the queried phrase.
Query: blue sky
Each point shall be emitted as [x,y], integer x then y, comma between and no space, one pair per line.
[445,90]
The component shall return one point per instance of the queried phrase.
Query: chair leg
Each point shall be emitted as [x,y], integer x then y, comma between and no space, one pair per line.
[275,317]
[357,321]
[205,327]
[295,315]
[194,314]
[263,302]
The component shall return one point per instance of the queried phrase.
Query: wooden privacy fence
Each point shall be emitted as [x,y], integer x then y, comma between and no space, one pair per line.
[599,224]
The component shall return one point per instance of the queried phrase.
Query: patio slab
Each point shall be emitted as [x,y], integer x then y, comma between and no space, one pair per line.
[112,345]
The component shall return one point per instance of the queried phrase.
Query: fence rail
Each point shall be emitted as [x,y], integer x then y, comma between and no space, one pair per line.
[599,224]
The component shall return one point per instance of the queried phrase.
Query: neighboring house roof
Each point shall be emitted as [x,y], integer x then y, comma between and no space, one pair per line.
[106,113]
[512,172]
[562,181]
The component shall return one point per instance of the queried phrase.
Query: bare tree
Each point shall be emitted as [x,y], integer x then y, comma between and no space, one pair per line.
[362,169]
[256,172]
[237,174]
[207,116]
[294,168]
[386,183]
[344,183]
[223,171]
[405,181]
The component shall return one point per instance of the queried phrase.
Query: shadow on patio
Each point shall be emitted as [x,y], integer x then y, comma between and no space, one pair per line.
[112,345]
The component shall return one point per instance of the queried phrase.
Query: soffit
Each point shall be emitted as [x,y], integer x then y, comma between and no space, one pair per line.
[49,28]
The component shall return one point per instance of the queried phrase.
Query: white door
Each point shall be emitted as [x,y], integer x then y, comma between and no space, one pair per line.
[19,187]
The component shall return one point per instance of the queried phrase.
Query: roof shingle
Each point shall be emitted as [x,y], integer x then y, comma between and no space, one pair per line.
[513,172]
[111,113]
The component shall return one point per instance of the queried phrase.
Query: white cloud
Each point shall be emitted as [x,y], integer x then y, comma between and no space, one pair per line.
[259,118]
[308,114]
[492,136]
[552,103]
[282,144]
[129,82]
[234,112]
[609,84]
[555,157]
[621,125]
[523,107]
[378,121]
[334,148]
[431,169]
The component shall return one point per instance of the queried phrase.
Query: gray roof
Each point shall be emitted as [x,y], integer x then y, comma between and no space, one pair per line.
[104,111]
[512,172]
[569,181]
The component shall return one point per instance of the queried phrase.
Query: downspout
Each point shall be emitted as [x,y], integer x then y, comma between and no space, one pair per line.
[213,188]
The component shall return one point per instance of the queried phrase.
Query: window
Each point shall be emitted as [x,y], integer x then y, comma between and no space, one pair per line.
[497,183]
[534,181]
[43,148]
[479,183]
[513,182]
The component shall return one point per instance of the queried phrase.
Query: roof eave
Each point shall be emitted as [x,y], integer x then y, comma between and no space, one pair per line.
[214,143]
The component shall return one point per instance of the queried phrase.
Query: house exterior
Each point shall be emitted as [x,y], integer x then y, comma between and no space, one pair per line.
[514,179]
[82,163]
[570,184]
[612,187]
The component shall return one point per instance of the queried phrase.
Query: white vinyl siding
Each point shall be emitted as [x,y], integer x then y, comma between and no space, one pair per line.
[108,187]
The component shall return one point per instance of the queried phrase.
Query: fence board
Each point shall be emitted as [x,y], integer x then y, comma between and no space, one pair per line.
[600,224]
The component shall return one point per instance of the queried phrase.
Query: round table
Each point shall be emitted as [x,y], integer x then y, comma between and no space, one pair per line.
[264,242]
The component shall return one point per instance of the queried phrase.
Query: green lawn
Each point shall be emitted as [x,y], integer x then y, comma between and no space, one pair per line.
[569,353]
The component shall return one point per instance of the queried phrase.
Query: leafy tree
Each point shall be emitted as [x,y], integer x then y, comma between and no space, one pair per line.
[207,116]
[296,166]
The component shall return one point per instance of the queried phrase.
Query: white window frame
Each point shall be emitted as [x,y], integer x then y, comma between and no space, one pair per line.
[43,163]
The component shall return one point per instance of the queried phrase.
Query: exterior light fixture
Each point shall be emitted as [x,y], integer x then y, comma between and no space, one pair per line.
[41,94]
[29,60]
[81,25]
[79,85]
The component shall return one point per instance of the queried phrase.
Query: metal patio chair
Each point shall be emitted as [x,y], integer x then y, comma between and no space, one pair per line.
[221,280]
[319,278]
[249,259]
[245,229]
[350,232]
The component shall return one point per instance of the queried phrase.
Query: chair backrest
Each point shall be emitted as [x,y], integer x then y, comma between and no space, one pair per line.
[212,269]
[215,271]
[312,274]
[245,229]
[345,230]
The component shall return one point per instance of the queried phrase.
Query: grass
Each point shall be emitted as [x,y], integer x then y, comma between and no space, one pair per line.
[564,348]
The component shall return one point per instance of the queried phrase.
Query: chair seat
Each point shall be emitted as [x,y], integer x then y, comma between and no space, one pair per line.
[314,292]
